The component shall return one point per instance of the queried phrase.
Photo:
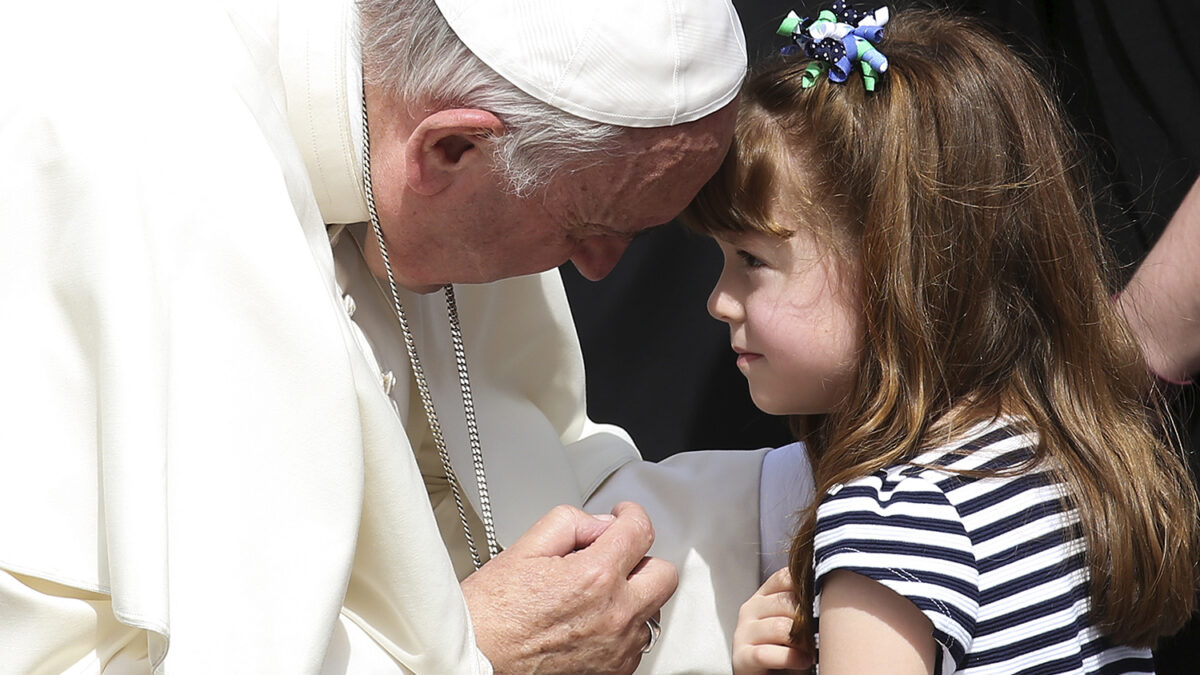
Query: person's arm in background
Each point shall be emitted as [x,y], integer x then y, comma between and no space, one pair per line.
[1162,299]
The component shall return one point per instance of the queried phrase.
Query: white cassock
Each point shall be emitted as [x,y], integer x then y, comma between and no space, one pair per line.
[210,452]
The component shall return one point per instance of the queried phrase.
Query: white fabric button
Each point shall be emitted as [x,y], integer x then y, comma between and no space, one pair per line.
[389,382]
[349,304]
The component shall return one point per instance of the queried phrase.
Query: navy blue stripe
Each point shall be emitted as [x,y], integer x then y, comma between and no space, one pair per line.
[1013,650]
[955,584]
[1098,646]
[1067,664]
[1031,513]
[1019,456]
[1007,460]
[1003,491]
[1028,548]
[924,524]
[1072,664]
[952,480]
[991,438]
[883,547]
[857,491]
[957,651]
[1035,578]
[1043,608]
[1131,664]
[978,443]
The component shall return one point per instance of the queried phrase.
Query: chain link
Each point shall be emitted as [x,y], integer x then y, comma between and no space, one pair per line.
[464,380]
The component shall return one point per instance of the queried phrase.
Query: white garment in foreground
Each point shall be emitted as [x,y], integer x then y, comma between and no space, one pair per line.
[201,466]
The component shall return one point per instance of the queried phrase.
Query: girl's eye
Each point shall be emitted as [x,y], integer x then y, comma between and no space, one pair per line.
[749,260]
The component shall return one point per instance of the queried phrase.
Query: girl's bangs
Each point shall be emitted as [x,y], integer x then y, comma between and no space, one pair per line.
[737,198]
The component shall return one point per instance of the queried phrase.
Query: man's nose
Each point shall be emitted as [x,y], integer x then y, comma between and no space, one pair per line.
[597,256]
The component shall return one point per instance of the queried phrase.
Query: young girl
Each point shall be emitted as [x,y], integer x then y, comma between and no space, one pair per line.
[916,273]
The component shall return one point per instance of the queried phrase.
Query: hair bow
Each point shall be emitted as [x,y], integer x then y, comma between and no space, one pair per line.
[837,39]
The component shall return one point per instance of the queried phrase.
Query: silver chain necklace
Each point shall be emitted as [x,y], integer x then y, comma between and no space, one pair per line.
[464,380]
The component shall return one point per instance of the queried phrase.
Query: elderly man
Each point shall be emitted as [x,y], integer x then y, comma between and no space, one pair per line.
[240,431]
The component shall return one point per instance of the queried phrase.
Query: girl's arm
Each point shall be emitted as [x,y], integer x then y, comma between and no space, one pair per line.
[865,627]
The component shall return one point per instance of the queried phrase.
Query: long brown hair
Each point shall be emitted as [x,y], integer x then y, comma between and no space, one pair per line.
[985,289]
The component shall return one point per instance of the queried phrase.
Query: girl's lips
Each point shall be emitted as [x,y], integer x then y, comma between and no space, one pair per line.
[744,359]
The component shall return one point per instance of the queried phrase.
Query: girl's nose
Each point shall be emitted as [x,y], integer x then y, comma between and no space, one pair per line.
[722,305]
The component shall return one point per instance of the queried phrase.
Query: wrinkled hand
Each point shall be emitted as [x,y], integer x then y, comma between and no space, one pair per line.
[760,641]
[572,595]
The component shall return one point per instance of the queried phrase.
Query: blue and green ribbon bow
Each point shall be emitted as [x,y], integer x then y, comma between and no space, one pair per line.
[837,39]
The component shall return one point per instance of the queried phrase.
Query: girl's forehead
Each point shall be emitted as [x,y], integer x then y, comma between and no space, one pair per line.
[760,237]
[766,228]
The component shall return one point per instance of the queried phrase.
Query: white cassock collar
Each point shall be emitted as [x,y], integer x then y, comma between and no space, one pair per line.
[322,77]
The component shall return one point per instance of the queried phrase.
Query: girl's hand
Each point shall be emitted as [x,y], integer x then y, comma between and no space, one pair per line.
[760,642]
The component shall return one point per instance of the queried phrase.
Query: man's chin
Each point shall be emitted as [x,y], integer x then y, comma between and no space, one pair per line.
[478,277]
[423,289]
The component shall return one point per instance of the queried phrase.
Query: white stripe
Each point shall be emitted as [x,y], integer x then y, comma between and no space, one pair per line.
[1010,507]
[904,565]
[1029,629]
[1031,563]
[1020,535]
[885,533]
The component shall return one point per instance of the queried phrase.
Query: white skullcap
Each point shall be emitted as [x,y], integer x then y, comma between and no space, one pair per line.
[634,63]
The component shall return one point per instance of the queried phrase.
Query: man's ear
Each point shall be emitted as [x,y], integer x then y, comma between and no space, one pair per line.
[446,145]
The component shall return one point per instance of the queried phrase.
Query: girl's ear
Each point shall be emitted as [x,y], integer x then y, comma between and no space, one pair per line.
[447,146]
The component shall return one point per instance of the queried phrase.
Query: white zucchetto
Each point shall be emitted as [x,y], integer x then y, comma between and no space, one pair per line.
[635,63]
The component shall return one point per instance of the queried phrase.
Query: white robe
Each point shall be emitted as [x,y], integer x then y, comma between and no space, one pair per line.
[200,468]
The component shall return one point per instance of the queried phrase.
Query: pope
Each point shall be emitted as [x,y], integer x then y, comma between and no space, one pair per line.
[288,380]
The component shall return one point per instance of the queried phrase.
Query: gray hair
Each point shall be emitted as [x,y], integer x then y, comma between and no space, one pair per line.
[411,53]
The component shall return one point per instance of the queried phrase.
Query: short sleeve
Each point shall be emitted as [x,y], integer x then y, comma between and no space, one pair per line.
[903,532]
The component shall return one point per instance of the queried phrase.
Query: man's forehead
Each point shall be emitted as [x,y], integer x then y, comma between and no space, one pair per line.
[645,183]
[630,200]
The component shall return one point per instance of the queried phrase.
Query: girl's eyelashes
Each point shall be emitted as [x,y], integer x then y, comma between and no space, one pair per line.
[749,259]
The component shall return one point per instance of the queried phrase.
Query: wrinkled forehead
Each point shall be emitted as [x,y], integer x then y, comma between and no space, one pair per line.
[650,178]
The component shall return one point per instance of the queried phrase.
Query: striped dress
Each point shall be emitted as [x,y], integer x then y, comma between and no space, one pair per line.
[995,563]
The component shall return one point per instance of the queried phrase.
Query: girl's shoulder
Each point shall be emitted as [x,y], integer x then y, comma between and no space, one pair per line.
[989,462]
[992,446]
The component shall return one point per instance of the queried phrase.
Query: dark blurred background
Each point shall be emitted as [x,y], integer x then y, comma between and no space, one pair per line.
[1128,74]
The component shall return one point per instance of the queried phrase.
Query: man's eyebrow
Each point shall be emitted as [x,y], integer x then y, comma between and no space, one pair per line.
[595,229]
[603,230]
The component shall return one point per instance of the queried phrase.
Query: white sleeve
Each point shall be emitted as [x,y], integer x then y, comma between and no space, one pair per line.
[724,517]
[704,507]
[787,487]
